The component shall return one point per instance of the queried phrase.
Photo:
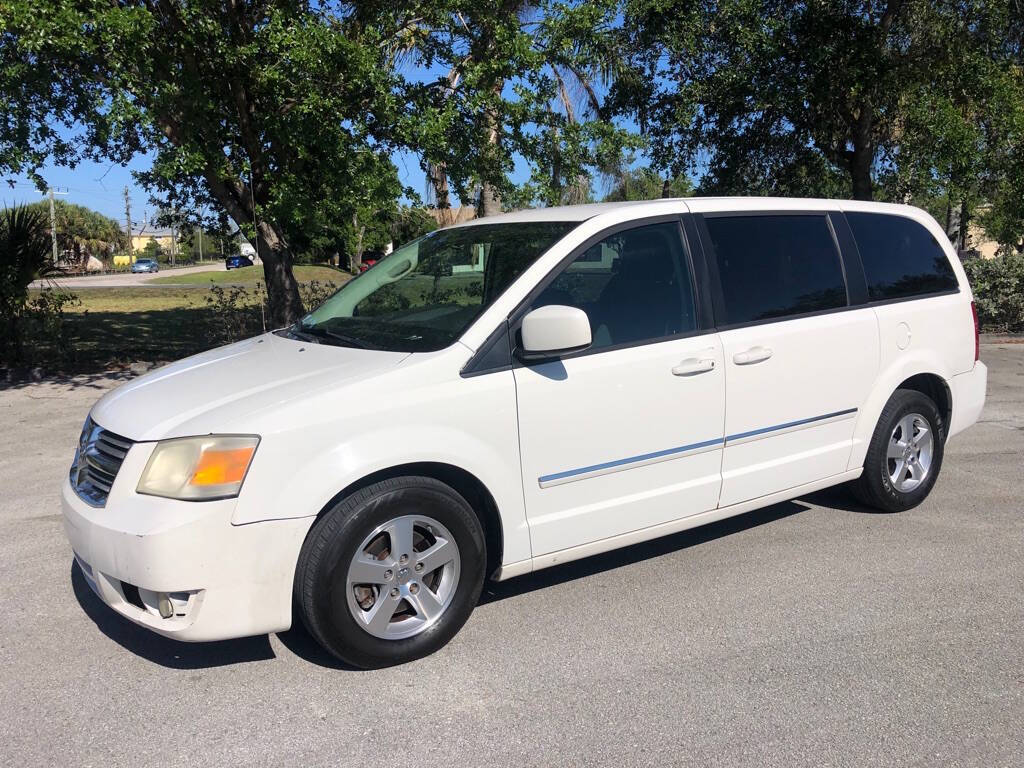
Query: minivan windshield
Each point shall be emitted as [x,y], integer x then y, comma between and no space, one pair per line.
[423,296]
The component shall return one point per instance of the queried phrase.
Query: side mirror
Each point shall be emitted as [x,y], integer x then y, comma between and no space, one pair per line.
[554,330]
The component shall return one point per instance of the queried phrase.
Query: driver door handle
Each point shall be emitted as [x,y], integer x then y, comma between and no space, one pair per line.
[752,355]
[694,365]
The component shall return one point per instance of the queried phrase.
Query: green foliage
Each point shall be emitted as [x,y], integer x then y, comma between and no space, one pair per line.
[152,250]
[646,184]
[46,316]
[82,232]
[822,98]
[998,286]
[237,312]
[25,253]
[410,223]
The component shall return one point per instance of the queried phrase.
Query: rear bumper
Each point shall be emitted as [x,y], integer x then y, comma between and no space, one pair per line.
[227,581]
[968,393]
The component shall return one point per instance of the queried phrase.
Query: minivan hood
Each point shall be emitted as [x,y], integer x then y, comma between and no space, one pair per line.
[221,390]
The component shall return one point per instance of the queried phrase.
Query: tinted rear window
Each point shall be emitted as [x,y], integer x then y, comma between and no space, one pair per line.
[901,258]
[774,266]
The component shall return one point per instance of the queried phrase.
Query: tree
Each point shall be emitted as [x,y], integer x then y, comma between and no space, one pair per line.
[805,98]
[280,114]
[152,250]
[646,184]
[25,255]
[520,83]
[84,232]
[409,224]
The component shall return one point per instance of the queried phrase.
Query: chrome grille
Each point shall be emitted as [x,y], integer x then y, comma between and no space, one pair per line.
[97,462]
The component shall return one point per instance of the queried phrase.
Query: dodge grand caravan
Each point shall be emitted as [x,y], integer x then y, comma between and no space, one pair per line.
[517,392]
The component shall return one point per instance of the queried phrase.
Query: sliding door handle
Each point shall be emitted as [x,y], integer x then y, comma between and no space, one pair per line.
[752,355]
[694,365]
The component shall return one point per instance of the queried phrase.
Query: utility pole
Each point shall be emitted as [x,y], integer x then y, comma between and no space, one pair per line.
[174,238]
[128,223]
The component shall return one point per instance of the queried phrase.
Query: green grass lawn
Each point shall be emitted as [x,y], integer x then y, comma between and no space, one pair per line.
[110,328]
[245,275]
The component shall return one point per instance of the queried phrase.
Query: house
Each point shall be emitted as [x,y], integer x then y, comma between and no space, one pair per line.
[161,236]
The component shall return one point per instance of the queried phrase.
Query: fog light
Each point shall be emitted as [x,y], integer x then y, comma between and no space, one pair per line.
[163,604]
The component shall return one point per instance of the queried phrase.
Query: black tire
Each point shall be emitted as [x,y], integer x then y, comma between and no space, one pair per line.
[874,487]
[320,578]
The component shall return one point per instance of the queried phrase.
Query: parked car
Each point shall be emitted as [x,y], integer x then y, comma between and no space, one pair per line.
[235,262]
[369,260]
[532,388]
[145,265]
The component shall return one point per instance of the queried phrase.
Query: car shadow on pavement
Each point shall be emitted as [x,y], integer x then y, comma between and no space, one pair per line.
[161,650]
[177,655]
[838,497]
[588,566]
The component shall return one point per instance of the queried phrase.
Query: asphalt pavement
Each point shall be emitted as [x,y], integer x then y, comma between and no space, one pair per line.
[810,633]
[126,279]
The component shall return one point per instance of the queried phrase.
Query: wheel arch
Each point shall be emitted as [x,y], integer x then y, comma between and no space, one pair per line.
[463,482]
[921,373]
[935,387]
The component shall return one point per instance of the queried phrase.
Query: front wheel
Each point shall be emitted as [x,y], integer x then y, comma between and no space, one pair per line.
[905,453]
[391,573]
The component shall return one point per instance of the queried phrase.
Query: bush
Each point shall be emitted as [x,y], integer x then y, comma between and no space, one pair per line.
[237,312]
[998,286]
[24,256]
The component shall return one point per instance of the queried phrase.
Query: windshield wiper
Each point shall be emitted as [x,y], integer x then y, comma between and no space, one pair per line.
[332,336]
[296,332]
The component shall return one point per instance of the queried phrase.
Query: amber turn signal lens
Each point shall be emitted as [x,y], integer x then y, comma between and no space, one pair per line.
[220,467]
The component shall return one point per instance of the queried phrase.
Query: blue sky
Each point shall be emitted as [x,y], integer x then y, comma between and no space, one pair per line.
[101,186]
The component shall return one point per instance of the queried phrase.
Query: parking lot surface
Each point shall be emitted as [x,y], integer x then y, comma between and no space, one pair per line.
[810,633]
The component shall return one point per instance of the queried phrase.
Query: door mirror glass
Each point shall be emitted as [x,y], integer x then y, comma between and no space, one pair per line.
[553,330]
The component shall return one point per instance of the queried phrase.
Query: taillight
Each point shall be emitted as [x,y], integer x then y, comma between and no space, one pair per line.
[977,335]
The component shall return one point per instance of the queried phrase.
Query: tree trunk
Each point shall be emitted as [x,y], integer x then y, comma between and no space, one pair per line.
[490,200]
[357,257]
[860,172]
[285,304]
[964,216]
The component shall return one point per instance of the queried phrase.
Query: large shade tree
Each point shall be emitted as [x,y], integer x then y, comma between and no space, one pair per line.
[819,97]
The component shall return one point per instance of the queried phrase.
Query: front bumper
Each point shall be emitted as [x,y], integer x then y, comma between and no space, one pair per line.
[228,580]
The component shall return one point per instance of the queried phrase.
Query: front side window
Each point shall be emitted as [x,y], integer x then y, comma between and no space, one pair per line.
[423,296]
[900,257]
[634,285]
[775,266]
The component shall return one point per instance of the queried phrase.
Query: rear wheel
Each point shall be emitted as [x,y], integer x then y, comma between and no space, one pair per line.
[905,453]
[391,573]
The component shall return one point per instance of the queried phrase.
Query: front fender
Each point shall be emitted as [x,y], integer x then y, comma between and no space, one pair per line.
[467,423]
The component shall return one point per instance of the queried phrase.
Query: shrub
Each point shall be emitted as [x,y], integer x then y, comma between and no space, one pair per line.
[24,256]
[314,293]
[998,286]
[237,312]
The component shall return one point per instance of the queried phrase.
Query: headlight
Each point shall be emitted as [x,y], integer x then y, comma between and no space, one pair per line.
[198,468]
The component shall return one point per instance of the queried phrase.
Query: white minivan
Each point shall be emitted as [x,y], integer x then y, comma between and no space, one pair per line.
[517,392]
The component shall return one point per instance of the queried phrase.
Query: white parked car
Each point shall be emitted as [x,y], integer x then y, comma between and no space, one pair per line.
[521,391]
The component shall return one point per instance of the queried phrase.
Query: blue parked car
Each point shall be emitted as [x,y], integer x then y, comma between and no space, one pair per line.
[236,262]
[145,265]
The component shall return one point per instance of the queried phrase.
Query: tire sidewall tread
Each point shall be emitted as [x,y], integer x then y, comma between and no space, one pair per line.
[874,487]
[330,544]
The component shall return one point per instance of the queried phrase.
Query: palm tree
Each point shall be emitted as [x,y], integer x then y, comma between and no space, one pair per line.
[24,257]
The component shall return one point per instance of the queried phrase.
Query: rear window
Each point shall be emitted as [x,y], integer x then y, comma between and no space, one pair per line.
[775,266]
[901,258]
